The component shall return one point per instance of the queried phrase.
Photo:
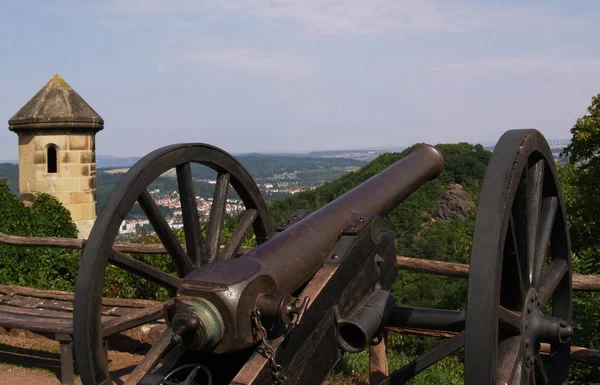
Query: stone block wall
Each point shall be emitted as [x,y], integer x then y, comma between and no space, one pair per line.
[74,183]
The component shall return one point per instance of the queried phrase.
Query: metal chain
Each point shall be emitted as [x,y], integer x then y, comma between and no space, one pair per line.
[268,351]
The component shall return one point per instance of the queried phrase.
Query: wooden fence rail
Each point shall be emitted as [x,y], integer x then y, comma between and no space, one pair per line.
[590,283]
[578,353]
[580,282]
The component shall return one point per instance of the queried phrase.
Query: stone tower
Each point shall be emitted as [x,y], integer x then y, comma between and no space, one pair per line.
[57,151]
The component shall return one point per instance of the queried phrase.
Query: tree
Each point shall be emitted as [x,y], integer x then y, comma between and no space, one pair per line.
[585,143]
[582,176]
[44,268]
[580,183]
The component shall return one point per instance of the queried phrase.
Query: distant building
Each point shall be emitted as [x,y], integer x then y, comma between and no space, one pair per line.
[131,227]
[57,151]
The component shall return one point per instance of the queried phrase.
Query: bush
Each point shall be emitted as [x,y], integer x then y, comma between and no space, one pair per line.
[39,267]
[447,371]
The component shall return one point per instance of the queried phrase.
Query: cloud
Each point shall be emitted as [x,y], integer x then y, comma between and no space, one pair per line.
[365,17]
[252,62]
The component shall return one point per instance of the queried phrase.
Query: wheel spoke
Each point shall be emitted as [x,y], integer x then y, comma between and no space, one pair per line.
[550,279]
[518,376]
[236,239]
[193,374]
[509,320]
[509,360]
[535,179]
[144,270]
[549,207]
[151,358]
[163,230]
[189,209]
[217,217]
[166,364]
[540,371]
[513,266]
[531,376]
[429,358]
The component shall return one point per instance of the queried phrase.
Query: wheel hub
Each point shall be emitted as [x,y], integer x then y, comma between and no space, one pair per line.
[540,328]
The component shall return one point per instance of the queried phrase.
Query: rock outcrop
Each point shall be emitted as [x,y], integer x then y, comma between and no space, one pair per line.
[454,204]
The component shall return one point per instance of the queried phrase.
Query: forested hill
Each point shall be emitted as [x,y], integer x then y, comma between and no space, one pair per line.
[262,166]
[10,171]
[465,164]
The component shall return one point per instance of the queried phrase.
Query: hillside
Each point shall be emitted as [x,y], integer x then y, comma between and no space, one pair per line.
[10,171]
[263,166]
[464,164]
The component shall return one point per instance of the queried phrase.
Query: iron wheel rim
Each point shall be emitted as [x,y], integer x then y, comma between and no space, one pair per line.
[495,352]
[87,328]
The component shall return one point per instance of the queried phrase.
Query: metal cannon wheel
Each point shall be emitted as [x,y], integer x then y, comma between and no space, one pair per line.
[199,249]
[519,292]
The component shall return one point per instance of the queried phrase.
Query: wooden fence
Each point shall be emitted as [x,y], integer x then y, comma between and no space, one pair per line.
[586,283]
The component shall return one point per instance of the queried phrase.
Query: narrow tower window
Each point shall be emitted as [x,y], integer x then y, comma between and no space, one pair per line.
[51,159]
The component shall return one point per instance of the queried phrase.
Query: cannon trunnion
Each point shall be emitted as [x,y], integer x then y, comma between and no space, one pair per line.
[318,286]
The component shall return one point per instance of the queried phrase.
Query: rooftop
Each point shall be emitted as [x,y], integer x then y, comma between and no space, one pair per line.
[56,106]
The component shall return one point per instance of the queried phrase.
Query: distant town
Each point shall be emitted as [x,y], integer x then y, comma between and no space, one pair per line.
[170,200]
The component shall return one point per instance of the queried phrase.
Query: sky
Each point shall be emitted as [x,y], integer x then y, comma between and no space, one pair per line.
[304,75]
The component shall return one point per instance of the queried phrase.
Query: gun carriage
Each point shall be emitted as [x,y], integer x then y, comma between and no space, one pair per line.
[316,287]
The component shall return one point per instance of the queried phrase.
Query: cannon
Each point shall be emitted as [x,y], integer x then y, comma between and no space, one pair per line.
[316,287]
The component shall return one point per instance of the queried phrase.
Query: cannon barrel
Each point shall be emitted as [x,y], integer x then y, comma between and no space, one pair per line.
[295,255]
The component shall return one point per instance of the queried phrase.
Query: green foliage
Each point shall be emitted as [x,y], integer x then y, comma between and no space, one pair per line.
[265,166]
[580,183]
[52,219]
[448,241]
[464,164]
[44,268]
[580,188]
[585,142]
[581,178]
[447,371]
[119,283]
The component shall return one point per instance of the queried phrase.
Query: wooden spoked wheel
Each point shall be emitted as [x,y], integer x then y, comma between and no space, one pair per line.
[99,250]
[519,292]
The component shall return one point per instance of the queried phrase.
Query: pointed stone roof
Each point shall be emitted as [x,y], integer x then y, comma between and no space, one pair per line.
[56,106]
